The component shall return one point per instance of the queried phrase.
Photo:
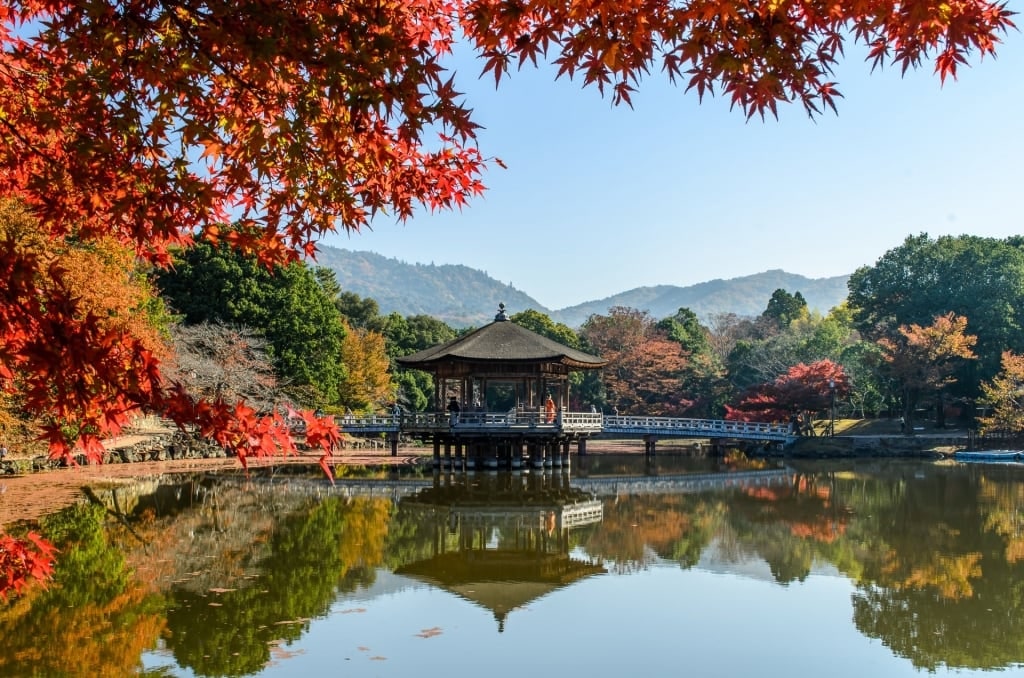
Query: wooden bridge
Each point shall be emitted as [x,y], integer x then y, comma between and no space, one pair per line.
[610,426]
[518,426]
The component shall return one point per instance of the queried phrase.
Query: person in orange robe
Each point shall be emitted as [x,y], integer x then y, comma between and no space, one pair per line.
[549,409]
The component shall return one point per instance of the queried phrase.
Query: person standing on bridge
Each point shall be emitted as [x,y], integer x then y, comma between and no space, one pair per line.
[549,410]
[453,410]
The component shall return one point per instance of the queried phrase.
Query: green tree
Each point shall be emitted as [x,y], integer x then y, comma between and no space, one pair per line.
[363,312]
[684,328]
[542,324]
[784,308]
[979,278]
[286,304]
[705,375]
[404,336]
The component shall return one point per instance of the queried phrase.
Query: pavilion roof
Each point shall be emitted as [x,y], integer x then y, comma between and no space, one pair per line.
[502,341]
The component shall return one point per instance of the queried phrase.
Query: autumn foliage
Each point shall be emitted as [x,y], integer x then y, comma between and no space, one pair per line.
[1005,396]
[23,561]
[801,388]
[151,124]
[644,365]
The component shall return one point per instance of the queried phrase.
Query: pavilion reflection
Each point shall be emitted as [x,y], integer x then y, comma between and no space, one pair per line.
[502,540]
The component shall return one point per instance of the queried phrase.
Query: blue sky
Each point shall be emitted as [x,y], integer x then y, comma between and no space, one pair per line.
[600,199]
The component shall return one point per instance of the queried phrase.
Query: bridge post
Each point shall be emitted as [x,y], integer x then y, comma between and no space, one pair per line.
[581,447]
[437,452]
[393,439]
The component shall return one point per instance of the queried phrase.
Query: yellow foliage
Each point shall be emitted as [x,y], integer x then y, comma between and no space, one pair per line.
[368,384]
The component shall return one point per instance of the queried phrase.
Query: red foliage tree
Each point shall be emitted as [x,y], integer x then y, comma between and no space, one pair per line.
[23,561]
[804,388]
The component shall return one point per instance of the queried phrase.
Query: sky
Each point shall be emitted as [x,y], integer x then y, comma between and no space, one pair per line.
[599,199]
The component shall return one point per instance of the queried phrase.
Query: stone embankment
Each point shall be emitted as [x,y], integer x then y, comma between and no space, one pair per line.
[927,445]
[149,446]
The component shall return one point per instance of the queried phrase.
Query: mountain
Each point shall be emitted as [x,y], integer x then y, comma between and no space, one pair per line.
[459,295]
[745,296]
[462,296]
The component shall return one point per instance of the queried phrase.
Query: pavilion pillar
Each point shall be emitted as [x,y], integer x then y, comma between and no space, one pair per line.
[437,452]
[536,454]
[581,447]
[490,453]
[550,452]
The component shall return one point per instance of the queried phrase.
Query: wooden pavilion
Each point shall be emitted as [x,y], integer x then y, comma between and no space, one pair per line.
[500,375]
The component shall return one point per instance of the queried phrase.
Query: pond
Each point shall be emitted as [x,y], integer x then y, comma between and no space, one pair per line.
[614,565]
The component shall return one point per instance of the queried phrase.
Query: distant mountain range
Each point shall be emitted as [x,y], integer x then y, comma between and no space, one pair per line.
[466,297]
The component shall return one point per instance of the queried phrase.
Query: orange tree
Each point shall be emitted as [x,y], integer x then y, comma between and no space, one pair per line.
[646,368]
[924,359]
[1005,396]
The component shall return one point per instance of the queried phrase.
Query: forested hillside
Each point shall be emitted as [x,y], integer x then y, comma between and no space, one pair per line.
[459,295]
[746,296]
[462,296]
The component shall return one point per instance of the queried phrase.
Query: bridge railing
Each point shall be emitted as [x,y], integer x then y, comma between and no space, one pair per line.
[716,427]
[579,422]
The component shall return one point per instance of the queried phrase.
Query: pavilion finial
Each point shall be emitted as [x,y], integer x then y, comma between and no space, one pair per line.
[501,313]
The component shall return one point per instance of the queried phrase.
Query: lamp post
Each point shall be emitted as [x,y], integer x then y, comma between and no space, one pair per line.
[832,407]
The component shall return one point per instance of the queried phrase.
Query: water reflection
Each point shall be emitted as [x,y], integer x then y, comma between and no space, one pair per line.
[501,541]
[215,575]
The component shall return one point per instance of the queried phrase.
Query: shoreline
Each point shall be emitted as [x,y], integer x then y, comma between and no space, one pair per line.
[30,496]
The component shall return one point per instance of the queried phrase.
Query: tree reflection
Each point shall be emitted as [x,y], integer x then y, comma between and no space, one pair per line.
[228,573]
[328,546]
[93,620]
[637,529]
[945,587]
